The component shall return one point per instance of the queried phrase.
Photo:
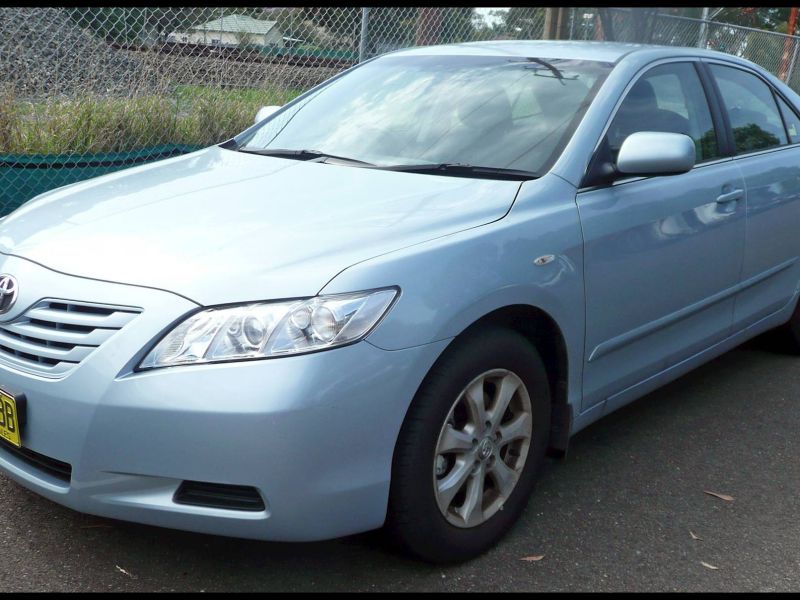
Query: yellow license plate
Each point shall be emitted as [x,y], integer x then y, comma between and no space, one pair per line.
[9,420]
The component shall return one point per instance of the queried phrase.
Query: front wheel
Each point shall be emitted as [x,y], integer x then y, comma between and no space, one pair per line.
[468,451]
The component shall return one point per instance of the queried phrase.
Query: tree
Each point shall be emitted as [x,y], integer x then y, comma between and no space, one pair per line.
[762,17]
[458,24]
[337,20]
[524,22]
[751,137]
[130,24]
[606,24]
[244,39]
[429,25]
[644,19]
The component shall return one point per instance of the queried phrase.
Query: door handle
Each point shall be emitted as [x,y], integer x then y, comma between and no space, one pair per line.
[730,197]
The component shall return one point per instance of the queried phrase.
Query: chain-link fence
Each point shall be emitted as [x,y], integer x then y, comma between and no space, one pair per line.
[775,52]
[85,91]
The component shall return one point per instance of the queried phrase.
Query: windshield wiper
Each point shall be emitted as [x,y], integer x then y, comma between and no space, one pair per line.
[553,69]
[301,154]
[452,169]
[462,170]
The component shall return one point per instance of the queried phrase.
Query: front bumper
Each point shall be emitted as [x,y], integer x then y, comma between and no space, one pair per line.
[314,434]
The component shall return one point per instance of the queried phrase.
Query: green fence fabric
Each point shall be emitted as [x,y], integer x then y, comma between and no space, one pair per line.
[24,176]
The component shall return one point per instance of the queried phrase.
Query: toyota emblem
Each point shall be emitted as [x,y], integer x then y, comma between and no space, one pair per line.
[8,292]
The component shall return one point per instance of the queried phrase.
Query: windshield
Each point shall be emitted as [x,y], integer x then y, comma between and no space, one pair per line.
[495,112]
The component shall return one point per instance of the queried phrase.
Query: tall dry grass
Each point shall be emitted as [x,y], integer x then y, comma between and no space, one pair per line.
[192,115]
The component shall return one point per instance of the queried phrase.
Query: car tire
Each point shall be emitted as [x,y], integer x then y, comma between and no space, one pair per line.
[420,515]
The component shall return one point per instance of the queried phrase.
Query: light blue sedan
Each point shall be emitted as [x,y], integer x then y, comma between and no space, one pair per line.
[388,300]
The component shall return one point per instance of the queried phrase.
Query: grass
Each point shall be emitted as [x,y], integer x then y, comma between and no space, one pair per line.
[193,115]
[210,115]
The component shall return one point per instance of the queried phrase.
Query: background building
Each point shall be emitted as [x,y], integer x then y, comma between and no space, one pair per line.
[231,30]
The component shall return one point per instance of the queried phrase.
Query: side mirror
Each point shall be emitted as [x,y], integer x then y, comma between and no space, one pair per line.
[264,112]
[656,153]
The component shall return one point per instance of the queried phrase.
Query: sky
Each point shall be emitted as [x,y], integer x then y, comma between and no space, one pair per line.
[484,13]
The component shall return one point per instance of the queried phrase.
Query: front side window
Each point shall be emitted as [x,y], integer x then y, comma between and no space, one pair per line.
[751,107]
[792,121]
[497,111]
[667,98]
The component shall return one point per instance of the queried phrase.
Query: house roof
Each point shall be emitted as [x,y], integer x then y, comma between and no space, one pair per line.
[237,24]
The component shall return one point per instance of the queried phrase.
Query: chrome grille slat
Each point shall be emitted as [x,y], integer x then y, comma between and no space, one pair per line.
[54,336]
[115,320]
[57,370]
[65,336]
[75,354]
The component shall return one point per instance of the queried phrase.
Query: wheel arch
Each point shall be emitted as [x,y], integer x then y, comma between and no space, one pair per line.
[546,336]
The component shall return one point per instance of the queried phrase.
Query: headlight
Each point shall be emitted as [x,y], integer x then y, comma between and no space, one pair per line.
[270,329]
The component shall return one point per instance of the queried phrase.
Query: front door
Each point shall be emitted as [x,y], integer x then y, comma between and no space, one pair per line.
[663,255]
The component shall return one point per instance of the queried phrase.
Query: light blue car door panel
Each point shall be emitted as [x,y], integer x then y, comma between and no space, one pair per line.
[662,260]
[771,270]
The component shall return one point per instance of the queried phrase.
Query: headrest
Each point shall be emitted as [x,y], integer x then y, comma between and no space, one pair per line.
[484,109]
[642,96]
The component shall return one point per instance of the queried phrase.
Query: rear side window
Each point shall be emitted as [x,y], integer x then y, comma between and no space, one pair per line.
[667,98]
[792,121]
[751,107]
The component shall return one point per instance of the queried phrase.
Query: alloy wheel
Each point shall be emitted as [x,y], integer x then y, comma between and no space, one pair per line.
[482,447]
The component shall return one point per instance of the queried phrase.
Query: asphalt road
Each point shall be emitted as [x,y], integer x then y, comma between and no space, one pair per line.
[615,515]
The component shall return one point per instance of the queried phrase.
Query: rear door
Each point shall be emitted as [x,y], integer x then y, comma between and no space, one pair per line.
[766,134]
[662,254]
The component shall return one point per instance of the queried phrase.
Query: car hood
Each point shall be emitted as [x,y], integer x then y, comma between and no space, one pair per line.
[222,226]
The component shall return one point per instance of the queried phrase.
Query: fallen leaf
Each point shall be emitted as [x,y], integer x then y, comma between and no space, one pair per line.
[708,566]
[124,572]
[694,536]
[720,496]
[532,558]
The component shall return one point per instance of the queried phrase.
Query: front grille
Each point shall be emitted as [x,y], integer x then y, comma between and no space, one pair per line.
[219,495]
[54,336]
[55,468]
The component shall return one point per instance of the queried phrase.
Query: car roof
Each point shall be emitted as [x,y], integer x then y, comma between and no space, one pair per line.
[579,50]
